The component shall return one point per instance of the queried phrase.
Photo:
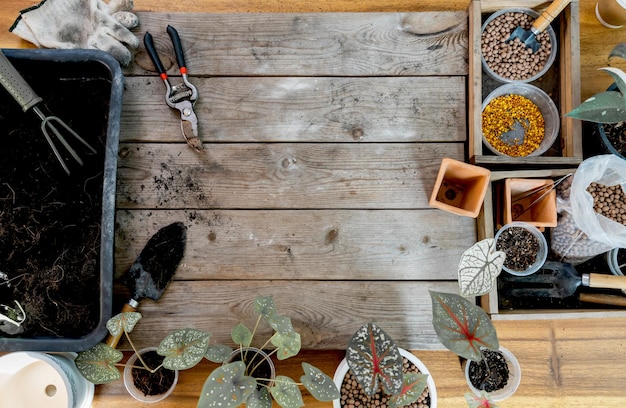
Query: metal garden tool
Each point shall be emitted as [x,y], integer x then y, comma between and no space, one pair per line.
[529,37]
[558,280]
[154,268]
[19,89]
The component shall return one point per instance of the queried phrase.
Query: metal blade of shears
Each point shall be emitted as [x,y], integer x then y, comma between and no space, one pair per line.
[189,125]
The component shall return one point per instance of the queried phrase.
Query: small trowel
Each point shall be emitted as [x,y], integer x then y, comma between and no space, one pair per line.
[529,37]
[154,268]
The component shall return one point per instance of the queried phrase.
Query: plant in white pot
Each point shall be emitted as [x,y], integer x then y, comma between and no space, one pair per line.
[239,380]
[150,374]
[608,108]
[465,329]
[376,370]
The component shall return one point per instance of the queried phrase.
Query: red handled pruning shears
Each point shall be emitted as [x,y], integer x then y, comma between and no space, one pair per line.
[182,96]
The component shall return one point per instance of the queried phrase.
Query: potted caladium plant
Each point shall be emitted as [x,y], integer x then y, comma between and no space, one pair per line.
[465,329]
[240,380]
[375,370]
[608,108]
[150,374]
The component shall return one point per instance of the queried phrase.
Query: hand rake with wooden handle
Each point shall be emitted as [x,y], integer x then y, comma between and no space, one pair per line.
[558,280]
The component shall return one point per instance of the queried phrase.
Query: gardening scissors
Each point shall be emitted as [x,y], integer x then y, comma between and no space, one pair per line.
[182,96]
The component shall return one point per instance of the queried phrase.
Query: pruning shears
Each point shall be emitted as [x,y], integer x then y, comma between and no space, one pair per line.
[182,96]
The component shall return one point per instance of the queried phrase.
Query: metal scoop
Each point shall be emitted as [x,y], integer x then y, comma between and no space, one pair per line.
[19,89]
[529,37]
[558,280]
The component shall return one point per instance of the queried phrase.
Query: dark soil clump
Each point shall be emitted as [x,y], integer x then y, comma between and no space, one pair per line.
[616,135]
[50,222]
[491,373]
[155,383]
[520,246]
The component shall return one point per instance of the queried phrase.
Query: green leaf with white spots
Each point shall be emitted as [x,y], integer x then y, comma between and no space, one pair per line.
[286,393]
[259,399]
[227,387]
[281,324]
[319,384]
[183,348]
[288,344]
[97,364]
[413,385]
[241,335]
[218,353]
[125,321]
[374,360]
[264,306]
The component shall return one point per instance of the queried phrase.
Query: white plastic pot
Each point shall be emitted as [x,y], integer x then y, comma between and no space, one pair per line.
[133,390]
[515,377]
[34,379]
[343,369]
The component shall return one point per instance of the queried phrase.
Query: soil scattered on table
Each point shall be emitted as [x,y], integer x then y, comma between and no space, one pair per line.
[50,222]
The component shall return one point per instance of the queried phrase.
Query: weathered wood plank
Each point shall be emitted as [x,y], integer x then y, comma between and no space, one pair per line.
[280,175]
[297,109]
[325,313]
[300,245]
[312,44]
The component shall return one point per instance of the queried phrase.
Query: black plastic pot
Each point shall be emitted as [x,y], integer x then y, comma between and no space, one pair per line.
[64,68]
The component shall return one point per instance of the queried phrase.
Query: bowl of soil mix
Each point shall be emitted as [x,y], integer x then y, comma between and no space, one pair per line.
[526,248]
[151,384]
[519,120]
[57,230]
[498,374]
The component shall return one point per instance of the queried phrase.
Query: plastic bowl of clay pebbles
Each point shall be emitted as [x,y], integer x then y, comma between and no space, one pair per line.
[511,61]
[519,120]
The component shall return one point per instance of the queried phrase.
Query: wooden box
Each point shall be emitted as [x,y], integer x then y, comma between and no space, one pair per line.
[488,223]
[561,82]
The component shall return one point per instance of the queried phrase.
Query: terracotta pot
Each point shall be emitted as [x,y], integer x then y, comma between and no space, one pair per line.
[524,200]
[460,188]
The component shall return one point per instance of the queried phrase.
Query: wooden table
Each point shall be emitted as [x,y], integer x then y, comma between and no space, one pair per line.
[315,183]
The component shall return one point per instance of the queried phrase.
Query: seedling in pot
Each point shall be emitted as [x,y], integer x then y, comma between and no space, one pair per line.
[233,384]
[181,349]
[376,363]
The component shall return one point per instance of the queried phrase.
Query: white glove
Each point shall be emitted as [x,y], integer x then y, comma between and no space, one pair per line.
[70,24]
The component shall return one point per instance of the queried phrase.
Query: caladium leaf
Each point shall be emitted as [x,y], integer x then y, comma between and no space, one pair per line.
[288,344]
[482,401]
[281,324]
[619,77]
[97,364]
[264,306]
[183,348]
[218,353]
[227,387]
[259,399]
[124,321]
[413,386]
[618,51]
[463,327]
[241,335]
[603,107]
[374,360]
[321,386]
[286,393]
[479,268]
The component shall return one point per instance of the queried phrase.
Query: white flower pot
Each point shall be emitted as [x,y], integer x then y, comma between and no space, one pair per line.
[343,369]
[515,377]
[34,379]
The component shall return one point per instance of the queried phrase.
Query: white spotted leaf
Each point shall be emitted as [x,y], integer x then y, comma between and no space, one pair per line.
[227,387]
[321,386]
[479,268]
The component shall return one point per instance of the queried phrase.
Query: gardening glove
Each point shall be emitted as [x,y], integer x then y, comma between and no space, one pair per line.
[72,24]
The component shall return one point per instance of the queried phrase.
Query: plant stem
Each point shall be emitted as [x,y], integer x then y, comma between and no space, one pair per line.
[145,366]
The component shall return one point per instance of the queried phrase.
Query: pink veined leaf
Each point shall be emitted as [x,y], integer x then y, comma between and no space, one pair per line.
[479,268]
[482,401]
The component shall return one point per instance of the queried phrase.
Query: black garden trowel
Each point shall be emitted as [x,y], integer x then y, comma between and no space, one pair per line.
[154,268]
[529,37]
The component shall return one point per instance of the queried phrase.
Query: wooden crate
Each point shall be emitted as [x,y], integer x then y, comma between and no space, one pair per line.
[562,83]
[486,228]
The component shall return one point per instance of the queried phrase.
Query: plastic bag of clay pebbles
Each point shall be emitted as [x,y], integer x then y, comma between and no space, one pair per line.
[591,209]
